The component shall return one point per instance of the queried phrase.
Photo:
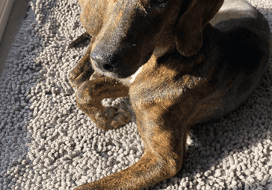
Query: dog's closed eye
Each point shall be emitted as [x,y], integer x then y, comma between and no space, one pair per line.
[161,3]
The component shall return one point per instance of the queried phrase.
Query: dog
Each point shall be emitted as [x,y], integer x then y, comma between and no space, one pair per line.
[180,62]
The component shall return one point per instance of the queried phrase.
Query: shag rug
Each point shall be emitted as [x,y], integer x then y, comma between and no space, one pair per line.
[47,143]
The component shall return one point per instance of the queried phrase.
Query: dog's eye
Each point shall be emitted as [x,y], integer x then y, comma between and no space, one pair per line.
[161,3]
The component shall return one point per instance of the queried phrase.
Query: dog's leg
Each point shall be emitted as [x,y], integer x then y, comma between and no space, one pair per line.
[81,39]
[164,144]
[82,71]
[89,96]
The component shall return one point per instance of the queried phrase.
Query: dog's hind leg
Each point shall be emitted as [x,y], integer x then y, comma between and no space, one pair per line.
[89,96]
[81,39]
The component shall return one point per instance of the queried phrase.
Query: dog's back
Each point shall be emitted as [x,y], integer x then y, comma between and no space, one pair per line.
[242,22]
[249,42]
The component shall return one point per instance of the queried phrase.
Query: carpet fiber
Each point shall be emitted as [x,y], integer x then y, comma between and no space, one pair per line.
[47,143]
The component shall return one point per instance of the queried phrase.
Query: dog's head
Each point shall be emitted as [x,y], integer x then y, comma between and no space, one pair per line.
[127,32]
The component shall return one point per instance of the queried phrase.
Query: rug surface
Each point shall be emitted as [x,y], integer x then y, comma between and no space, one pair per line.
[47,143]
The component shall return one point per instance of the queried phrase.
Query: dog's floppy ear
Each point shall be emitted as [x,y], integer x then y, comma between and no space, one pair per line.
[190,25]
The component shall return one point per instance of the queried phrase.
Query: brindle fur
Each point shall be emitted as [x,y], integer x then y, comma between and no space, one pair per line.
[177,69]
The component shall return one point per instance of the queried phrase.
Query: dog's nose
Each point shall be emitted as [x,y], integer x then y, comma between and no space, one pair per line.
[106,61]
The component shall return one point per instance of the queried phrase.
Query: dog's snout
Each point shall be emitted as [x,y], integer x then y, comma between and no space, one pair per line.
[106,61]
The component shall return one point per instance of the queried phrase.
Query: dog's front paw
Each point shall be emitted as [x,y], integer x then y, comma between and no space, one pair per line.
[118,118]
[89,96]
[121,117]
[81,73]
[112,118]
[107,118]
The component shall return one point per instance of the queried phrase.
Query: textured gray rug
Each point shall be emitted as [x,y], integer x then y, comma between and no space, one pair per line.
[46,143]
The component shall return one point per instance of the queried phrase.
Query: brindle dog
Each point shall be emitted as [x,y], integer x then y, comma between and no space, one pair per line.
[176,67]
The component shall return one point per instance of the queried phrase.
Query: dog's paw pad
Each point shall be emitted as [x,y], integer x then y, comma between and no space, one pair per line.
[110,112]
[112,118]
[122,117]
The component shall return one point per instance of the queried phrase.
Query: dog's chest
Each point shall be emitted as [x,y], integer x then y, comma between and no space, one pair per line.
[162,85]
